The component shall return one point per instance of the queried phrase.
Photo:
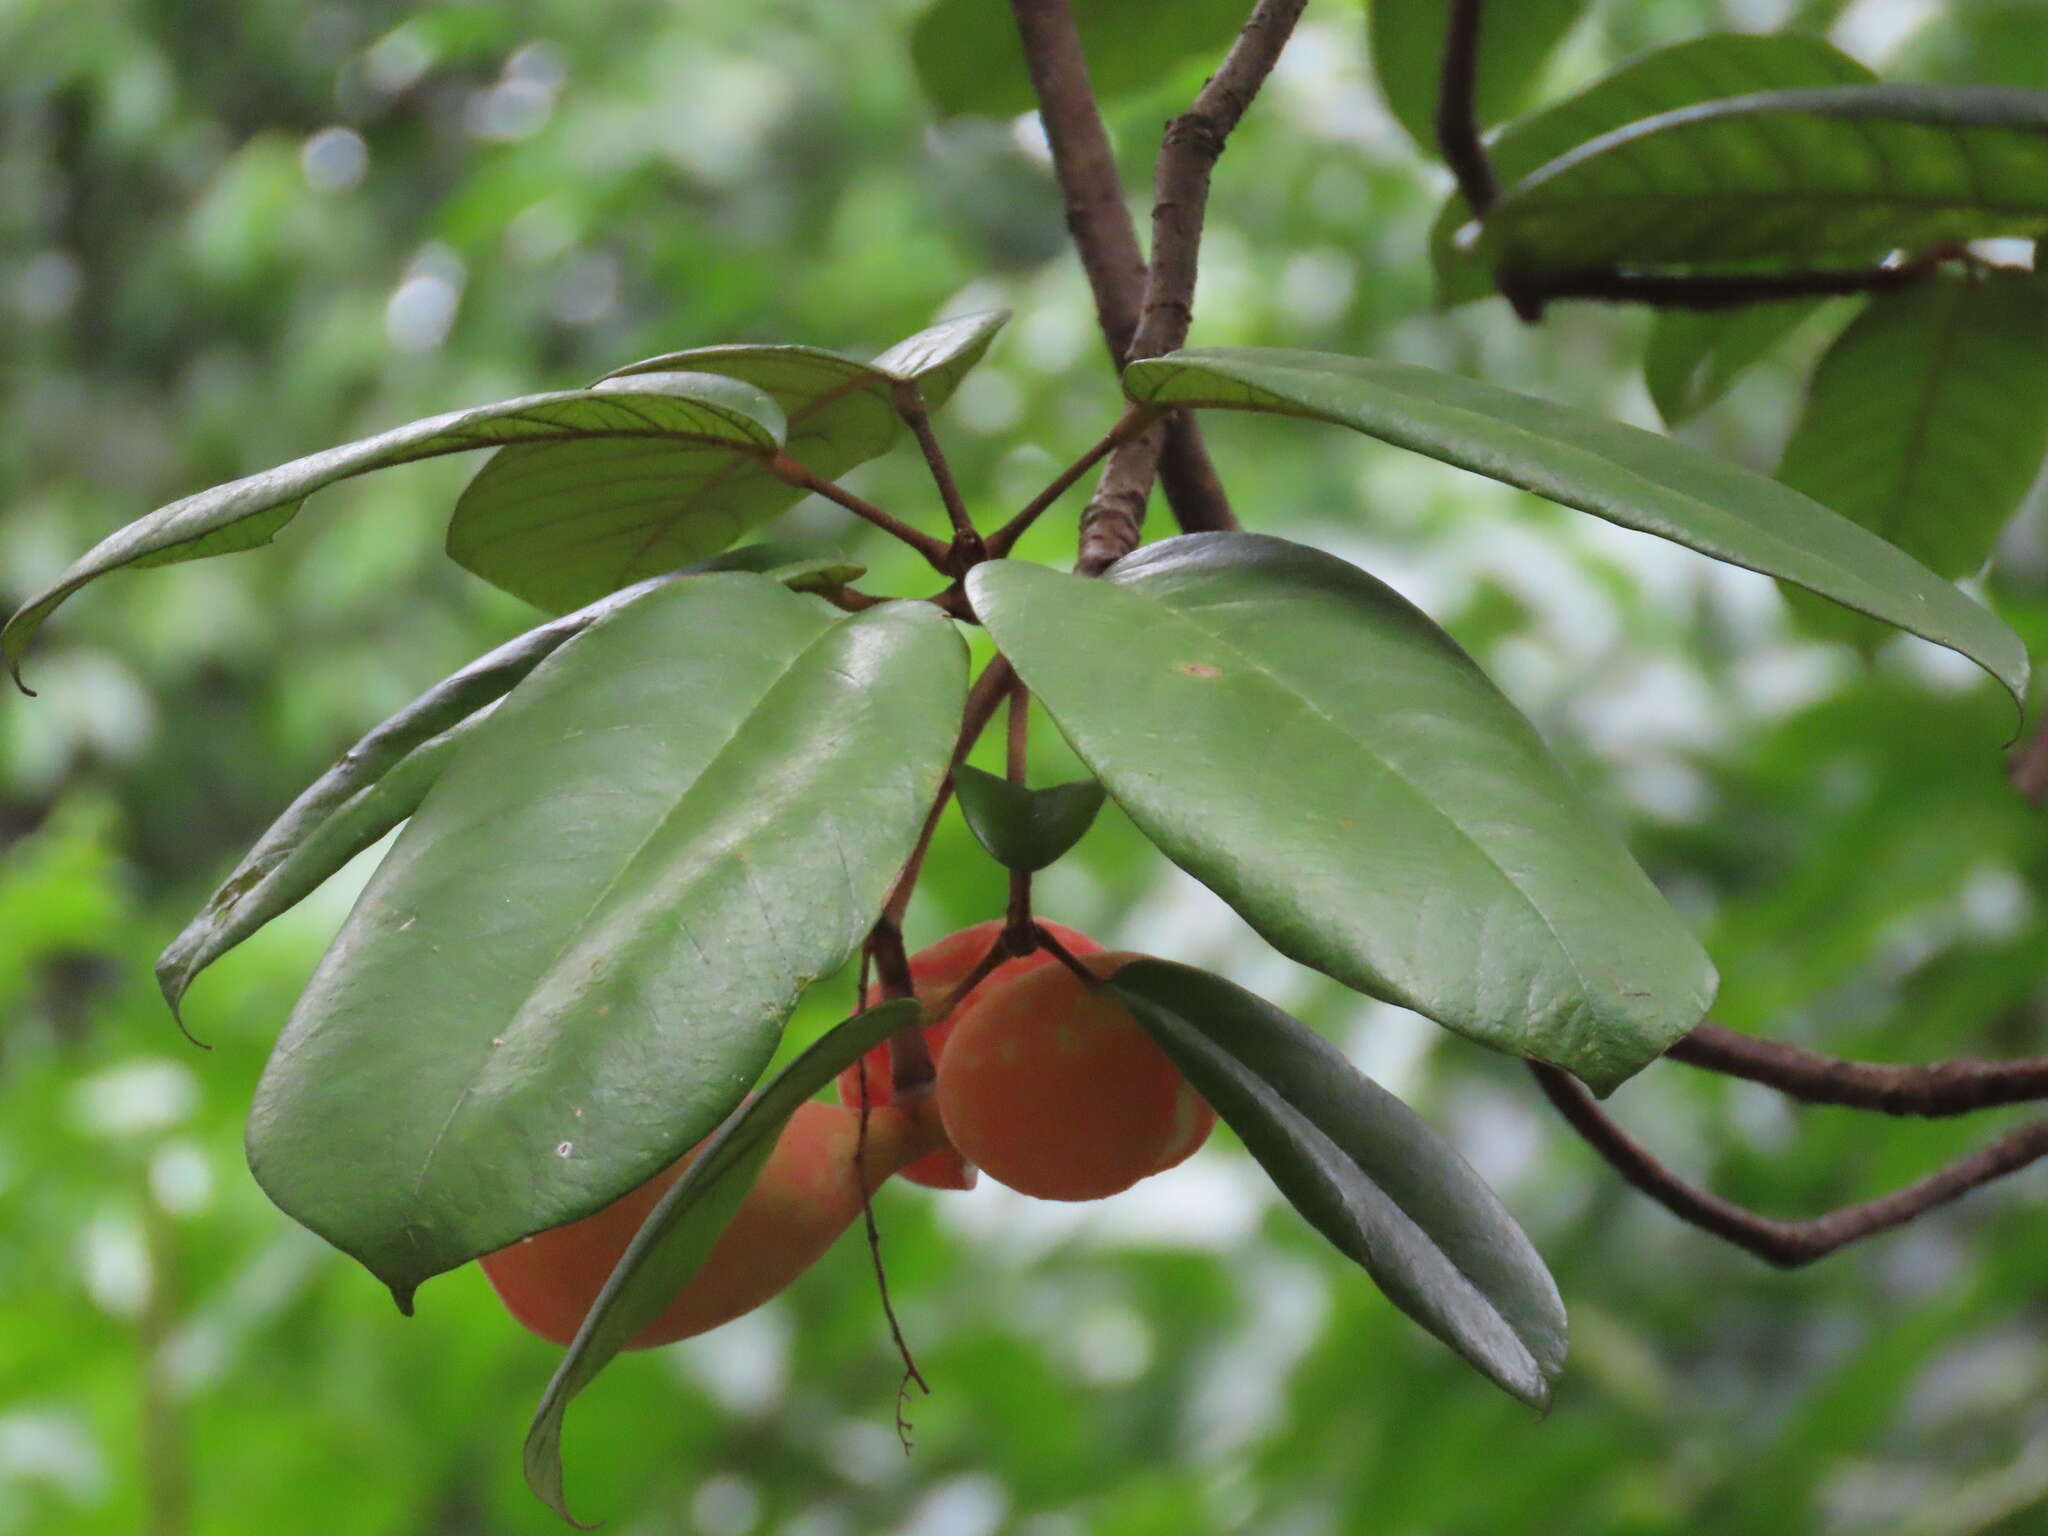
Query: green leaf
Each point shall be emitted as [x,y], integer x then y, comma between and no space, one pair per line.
[1985,42]
[1832,176]
[684,412]
[802,565]
[1406,39]
[579,953]
[561,524]
[375,785]
[1314,750]
[1700,69]
[1365,1170]
[968,59]
[1927,421]
[1621,473]
[1695,355]
[684,1225]
[1025,829]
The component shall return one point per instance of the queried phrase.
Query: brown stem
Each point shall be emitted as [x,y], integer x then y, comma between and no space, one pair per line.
[1935,1090]
[1787,1244]
[874,1235]
[1065,956]
[982,700]
[1187,157]
[1115,514]
[1016,753]
[791,472]
[909,401]
[1133,421]
[2030,768]
[1104,236]
[1529,293]
[1457,109]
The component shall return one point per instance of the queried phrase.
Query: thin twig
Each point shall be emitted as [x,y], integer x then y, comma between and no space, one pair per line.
[1933,1091]
[790,472]
[1048,940]
[1787,1244]
[1132,422]
[1180,186]
[1015,756]
[1457,109]
[982,700]
[909,401]
[1105,237]
[874,1235]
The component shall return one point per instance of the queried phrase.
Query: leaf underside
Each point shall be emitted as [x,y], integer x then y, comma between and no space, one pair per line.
[1620,473]
[562,524]
[1312,748]
[667,407]
[1364,1170]
[580,952]
[1828,176]
[1699,69]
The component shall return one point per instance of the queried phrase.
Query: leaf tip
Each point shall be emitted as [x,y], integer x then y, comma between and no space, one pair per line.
[401,1297]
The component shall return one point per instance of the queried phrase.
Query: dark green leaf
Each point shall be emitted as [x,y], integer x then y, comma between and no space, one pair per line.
[968,58]
[563,523]
[580,951]
[1310,747]
[1695,355]
[1833,176]
[1025,829]
[1928,419]
[320,832]
[681,1230]
[1365,1171]
[1407,44]
[802,565]
[350,806]
[1700,69]
[685,412]
[1621,473]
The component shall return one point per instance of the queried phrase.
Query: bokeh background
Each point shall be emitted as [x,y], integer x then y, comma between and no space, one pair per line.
[231,233]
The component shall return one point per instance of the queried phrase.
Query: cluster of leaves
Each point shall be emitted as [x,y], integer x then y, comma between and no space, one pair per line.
[639,833]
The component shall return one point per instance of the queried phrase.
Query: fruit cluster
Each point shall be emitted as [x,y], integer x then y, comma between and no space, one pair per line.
[1045,1083]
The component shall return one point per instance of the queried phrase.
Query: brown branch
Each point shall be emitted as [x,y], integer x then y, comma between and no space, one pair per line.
[2029,771]
[1935,1090]
[1457,110]
[1530,292]
[1787,1244]
[1005,538]
[935,551]
[1105,237]
[982,701]
[1180,198]
[1016,755]
[967,547]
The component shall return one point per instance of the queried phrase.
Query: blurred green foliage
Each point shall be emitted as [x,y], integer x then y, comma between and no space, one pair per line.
[231,234]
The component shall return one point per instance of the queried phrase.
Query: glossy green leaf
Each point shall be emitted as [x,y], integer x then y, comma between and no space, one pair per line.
[1025,829]
[562,524]
[1699,69]
[579,953]
[685,1224]
[1364,1170]
[1694,356]
[682,411]
[1830,176]
[1323,757]
[1406,39]
[968,59]
[374,786]
[1621,473]
[1927,421]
